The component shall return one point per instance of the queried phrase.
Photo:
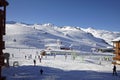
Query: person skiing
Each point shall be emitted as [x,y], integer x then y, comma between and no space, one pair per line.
[114,70]
[34,62]
[41,71]
[39,58]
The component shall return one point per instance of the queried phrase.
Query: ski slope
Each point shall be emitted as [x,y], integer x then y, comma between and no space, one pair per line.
[20,35]
[59,67]
[25,42]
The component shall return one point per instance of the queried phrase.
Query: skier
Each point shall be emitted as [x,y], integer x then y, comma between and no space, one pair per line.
[41,71]
[34,62]
[25,56]
[114,70]
[39,58]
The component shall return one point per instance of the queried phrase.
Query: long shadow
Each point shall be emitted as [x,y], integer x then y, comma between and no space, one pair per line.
[33,73]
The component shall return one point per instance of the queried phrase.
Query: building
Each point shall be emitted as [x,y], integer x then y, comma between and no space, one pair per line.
[116,46]
[57,47]
[3,4]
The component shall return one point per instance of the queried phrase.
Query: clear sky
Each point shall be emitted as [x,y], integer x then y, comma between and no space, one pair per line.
[99,14]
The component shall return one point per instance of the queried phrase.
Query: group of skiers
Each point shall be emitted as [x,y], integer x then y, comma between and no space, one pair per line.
[41,70]
[114,69]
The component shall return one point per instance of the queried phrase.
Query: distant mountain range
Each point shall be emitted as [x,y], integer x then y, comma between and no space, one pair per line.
[21,35]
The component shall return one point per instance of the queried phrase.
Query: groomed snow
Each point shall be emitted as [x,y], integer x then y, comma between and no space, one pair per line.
[59,67]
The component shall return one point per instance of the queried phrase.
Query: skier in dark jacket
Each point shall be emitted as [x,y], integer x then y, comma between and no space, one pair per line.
[34,62]
[41,71]
[114,70]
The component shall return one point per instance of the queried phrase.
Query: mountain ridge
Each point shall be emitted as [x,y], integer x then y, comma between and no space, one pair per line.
[38,35]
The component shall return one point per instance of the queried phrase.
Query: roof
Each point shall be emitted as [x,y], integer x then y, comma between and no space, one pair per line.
[3,3]
[116,40]
[52,45]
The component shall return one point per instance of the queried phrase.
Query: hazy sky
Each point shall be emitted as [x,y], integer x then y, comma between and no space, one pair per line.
[99,14]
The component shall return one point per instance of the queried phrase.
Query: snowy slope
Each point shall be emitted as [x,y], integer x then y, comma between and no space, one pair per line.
[59,67]
[28,40]
[38,35]
[108,36]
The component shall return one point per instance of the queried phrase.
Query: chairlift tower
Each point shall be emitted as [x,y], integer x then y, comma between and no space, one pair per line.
[3,4]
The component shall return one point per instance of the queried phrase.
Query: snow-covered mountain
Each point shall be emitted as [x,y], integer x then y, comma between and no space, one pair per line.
[108,36]
[21,35]
[34,38]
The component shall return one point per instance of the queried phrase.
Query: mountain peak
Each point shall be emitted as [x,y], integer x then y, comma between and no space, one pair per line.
[48,24]
[91,28]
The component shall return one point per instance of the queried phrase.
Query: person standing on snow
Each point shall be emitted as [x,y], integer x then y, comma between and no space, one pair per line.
[114,70]
[34,62]
[41,71]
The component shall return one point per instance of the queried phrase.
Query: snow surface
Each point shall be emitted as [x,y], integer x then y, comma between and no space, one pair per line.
[59,67]
[117,39]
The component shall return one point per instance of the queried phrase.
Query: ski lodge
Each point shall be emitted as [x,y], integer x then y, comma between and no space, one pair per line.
[116,46]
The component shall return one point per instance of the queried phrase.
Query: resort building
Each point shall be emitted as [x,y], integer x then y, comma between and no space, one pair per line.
[116,46]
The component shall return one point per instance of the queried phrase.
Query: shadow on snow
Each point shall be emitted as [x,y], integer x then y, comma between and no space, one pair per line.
[33,73]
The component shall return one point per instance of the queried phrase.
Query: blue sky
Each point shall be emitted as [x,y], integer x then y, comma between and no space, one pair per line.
[99,14]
